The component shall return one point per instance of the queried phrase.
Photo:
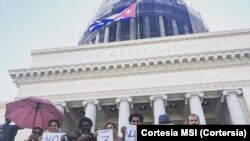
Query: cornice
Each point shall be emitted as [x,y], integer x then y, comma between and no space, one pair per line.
[169,90]
[132,43]
[186,62]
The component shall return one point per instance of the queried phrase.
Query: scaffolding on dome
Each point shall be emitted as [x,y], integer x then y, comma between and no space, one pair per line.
[177,17]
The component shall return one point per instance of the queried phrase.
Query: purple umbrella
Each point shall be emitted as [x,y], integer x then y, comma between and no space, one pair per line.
[32,112]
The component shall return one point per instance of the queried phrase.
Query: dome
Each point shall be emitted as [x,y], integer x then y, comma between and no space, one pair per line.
[154,18]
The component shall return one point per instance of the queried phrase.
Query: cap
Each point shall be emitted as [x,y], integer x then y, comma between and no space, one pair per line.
[164,118]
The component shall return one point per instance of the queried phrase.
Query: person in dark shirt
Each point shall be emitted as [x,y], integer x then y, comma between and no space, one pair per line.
[83,133]
[36,134]
[85,125]
[8,132]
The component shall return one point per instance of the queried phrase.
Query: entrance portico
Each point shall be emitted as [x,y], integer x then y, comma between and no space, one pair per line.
[117,110]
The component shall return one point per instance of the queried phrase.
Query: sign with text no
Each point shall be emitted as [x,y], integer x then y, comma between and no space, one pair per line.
[52,136]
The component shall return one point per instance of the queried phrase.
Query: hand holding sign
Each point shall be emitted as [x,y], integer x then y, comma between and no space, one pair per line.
[105,135]
[130,133]
[52,136]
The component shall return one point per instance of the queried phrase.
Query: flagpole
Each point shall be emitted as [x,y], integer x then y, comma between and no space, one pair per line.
[138,20]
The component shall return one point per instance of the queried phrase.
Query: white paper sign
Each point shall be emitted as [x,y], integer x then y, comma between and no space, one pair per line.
[105,135]
[52,136]
[130,134]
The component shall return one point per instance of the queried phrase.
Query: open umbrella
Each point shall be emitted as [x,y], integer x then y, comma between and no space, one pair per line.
[32,112]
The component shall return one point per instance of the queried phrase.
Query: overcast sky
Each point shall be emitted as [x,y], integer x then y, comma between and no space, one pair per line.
[27,25]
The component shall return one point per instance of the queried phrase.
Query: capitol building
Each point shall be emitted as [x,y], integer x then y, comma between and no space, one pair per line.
[164,61]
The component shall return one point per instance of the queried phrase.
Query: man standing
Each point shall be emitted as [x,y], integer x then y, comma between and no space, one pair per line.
[193,119]
[8,132]
[134,119]
[164,120]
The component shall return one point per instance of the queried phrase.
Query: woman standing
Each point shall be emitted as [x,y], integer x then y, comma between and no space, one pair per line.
[54,126]
[111,125]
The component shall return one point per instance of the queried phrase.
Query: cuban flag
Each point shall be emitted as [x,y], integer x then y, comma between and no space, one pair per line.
[127,13]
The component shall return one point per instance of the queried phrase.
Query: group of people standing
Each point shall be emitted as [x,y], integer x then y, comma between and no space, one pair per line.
[85,124]
[36,135]
[193,119]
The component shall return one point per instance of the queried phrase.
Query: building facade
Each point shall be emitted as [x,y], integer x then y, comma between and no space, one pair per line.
[154,18]
[205,73]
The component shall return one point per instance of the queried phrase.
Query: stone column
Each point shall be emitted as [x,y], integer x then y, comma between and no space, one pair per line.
[106,34]
[133,28]
[97,38]
[90,111]
[123,104]
[195,100]
[246,100]
[147,27]
[118,31]
[162,28]
[175,27]
[61,106]
[157,101]
[234,107]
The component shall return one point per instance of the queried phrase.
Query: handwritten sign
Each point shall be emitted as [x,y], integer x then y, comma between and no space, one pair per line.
[52,136]
[130,134]
[105,135]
